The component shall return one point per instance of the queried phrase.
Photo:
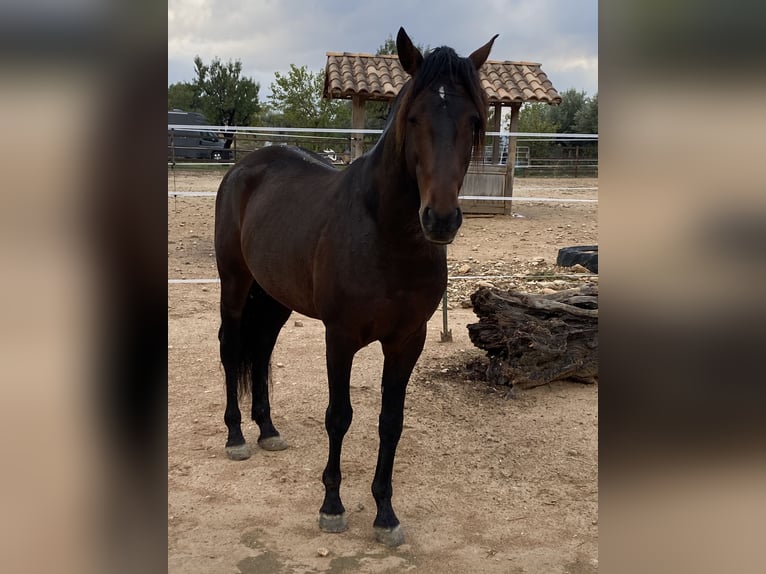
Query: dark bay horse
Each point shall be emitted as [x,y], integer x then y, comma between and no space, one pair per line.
[362,249]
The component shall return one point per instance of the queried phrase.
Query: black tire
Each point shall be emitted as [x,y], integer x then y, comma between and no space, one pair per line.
[585,255]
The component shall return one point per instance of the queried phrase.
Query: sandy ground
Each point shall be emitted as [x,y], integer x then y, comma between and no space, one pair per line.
[482,482]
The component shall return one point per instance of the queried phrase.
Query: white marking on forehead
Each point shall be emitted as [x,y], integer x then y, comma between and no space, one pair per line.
[441,92]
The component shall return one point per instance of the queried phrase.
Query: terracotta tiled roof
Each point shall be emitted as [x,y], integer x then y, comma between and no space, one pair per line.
[514,82]
[381,78]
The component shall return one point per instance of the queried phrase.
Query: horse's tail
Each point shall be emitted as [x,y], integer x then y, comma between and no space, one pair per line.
[247,342]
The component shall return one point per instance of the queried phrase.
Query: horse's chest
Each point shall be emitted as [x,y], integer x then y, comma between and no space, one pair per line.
[413,305]
[415,289]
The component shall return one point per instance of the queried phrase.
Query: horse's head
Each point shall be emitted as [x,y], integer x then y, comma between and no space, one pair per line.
[442,117]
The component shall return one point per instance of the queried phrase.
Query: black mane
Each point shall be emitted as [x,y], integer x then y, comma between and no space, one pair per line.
[440,62]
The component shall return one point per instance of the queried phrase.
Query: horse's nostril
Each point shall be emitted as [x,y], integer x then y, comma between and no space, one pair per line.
[428,216]
[458,217]
[448,222]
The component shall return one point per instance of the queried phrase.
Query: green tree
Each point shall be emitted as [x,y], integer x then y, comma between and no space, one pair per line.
[535,118]
[296,100]
[183,96]
[389,47]
[564,114]
[586,118]
[576,113]
[225,96]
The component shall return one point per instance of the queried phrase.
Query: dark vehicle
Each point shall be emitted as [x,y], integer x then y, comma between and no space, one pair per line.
[191,143]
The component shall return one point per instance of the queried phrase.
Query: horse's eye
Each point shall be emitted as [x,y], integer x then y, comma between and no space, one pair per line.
[412,120]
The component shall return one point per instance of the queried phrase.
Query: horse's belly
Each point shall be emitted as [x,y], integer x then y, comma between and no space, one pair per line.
[282,270]
[282,282]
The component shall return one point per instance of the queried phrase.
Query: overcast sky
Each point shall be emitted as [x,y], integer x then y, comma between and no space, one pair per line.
[269,35]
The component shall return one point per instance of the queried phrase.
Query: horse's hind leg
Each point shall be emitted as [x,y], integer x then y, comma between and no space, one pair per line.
[233,299]
[400,359]
[268,318]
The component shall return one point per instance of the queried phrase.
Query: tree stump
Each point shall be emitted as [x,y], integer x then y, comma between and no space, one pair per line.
[532,340]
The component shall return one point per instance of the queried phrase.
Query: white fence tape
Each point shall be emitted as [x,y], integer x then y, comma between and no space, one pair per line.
[276,130]
[450,278]
[469,197]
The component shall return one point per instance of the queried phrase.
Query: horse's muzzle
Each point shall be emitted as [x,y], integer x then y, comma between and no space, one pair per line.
[440,228]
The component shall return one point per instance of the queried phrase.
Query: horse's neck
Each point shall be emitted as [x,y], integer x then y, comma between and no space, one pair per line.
[393,201]
[392,195]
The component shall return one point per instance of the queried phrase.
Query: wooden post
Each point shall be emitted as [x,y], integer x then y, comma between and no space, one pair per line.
[496,128]
[357,123]
[508,187]
[577,158]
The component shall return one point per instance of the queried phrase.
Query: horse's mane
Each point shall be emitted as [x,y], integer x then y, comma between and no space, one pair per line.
[438,63]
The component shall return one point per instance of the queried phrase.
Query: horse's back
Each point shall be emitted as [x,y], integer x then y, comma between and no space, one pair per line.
[284,157]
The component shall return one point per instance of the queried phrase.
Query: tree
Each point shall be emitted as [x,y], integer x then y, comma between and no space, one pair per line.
[564,114]
[297,100]
[586,118]
[535,118]
[225,97]
[389,47]
[183,96]
[576,113]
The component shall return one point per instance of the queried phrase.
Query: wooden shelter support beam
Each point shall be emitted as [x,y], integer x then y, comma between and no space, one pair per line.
[496,128]
[357,123]
[509,168]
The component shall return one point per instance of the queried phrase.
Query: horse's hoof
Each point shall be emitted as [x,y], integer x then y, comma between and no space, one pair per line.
[273,443]
[238,452]
[333,522]
[391,537]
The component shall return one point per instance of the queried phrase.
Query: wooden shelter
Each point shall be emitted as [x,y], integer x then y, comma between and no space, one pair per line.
[363,77]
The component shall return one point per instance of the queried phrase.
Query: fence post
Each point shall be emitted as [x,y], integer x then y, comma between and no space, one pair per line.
[496,140]
[357,123]
[446,334]
[511,164]
[577,159]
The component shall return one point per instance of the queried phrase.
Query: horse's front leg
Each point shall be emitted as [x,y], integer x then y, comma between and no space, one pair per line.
[400,359]
[340,355]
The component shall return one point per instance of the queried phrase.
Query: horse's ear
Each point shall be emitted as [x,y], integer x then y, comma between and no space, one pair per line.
[409,55]
[480,56]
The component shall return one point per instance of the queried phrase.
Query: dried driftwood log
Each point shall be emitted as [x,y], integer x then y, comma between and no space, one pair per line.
[532,340]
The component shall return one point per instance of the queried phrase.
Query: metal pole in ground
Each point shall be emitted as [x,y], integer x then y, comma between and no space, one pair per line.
[446,334]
